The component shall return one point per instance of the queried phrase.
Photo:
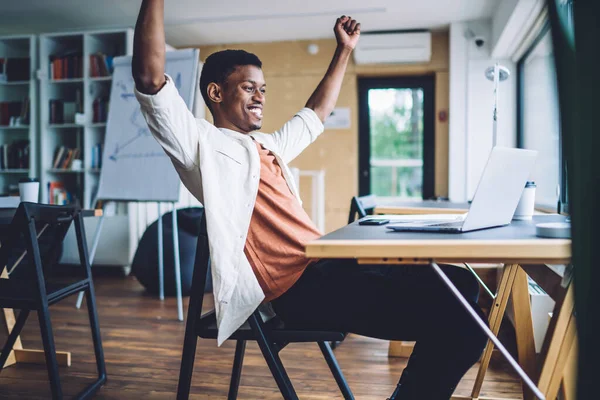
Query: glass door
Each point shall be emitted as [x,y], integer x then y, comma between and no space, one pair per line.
[396,138]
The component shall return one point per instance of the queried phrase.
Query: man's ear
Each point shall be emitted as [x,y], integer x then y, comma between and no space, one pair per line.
[215,92]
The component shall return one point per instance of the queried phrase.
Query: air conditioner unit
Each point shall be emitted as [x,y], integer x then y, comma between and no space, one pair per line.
[393,47]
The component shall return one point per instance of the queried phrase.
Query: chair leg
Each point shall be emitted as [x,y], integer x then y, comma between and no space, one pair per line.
[91,390]
[334,345]
[12,338]
[236,372]
[50,351]
[336,371]
[272,359]
[95,328]
[187,359]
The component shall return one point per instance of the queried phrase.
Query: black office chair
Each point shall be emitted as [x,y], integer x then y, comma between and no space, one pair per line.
[30,244]
[272,337]
[361,206]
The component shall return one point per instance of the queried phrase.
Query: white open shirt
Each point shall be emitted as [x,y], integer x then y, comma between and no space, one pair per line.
[221,168]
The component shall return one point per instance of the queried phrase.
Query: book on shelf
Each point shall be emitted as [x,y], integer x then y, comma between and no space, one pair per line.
[14,69]
[100,109]
[14,113]
[57,115]
[15,155]
[58,194]
[101,65]
[97,156]
[62,111]
[64,156]
[68,65]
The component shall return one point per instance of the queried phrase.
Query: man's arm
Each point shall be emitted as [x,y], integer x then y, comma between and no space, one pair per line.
[167,116]
[322,101]
[148,63]
[306,126]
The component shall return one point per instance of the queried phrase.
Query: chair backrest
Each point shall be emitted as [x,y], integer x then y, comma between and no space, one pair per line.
[32,242]
[361,206]
[201,268]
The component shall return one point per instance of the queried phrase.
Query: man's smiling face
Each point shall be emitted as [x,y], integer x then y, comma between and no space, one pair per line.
[244,98]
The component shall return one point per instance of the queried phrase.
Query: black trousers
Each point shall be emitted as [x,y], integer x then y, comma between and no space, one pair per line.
[408,303]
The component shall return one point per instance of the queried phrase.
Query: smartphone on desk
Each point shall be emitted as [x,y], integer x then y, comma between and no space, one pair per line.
[374,221]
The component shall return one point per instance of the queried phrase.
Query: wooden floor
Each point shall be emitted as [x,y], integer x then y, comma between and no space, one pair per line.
[142,344]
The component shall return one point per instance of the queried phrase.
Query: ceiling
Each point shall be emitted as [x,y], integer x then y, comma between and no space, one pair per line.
[197,22]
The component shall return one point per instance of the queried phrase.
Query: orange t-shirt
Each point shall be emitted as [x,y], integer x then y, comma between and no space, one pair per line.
[279,230]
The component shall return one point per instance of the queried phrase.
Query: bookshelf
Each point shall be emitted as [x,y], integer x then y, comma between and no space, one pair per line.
[75,83]
[18,114]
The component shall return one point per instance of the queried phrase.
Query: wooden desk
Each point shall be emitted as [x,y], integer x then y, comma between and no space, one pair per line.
[421,207]
[19,354]
[513,245]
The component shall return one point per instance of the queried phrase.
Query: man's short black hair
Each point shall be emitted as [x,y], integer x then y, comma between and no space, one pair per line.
[218,66]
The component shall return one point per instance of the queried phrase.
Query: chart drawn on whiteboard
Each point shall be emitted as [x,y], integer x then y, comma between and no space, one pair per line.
[136,120]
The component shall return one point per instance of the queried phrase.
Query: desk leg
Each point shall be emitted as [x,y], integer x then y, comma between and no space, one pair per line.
[400,348]
[21,355]
[521,308]
[570,375]
[495,319]
[9,316]
[560,348]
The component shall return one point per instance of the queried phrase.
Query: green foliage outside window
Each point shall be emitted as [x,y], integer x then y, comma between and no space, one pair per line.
[396,126]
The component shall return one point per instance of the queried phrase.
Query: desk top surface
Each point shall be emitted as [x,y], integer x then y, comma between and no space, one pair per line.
[508,243]
[6,214]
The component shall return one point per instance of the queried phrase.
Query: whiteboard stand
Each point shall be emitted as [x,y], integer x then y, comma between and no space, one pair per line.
[161,257]
[161,279]
[92,253]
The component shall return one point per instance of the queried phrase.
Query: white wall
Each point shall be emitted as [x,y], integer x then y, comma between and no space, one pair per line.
[500,20]
[457,160]
[512,22]
[471,106]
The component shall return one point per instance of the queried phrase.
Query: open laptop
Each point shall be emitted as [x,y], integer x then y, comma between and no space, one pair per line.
[495,199]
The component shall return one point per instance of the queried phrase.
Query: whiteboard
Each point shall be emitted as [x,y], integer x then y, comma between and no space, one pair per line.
[134,165]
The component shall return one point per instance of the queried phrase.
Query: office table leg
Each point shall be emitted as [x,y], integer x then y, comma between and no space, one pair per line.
[523,321]
[21,355]
[561,347]
[495,319]
[9,317]
[570,375]
[400,348]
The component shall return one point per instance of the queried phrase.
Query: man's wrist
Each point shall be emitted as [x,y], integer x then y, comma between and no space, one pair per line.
[344,48]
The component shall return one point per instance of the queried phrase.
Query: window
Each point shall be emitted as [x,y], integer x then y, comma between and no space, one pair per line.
[539,122]
[539,115]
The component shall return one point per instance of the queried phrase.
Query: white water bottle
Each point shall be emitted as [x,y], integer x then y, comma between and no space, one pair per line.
[526,205]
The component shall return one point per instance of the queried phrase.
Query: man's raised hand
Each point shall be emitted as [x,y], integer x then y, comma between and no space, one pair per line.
[347,31]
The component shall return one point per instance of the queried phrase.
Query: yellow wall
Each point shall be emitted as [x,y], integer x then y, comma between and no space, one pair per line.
[292,74]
